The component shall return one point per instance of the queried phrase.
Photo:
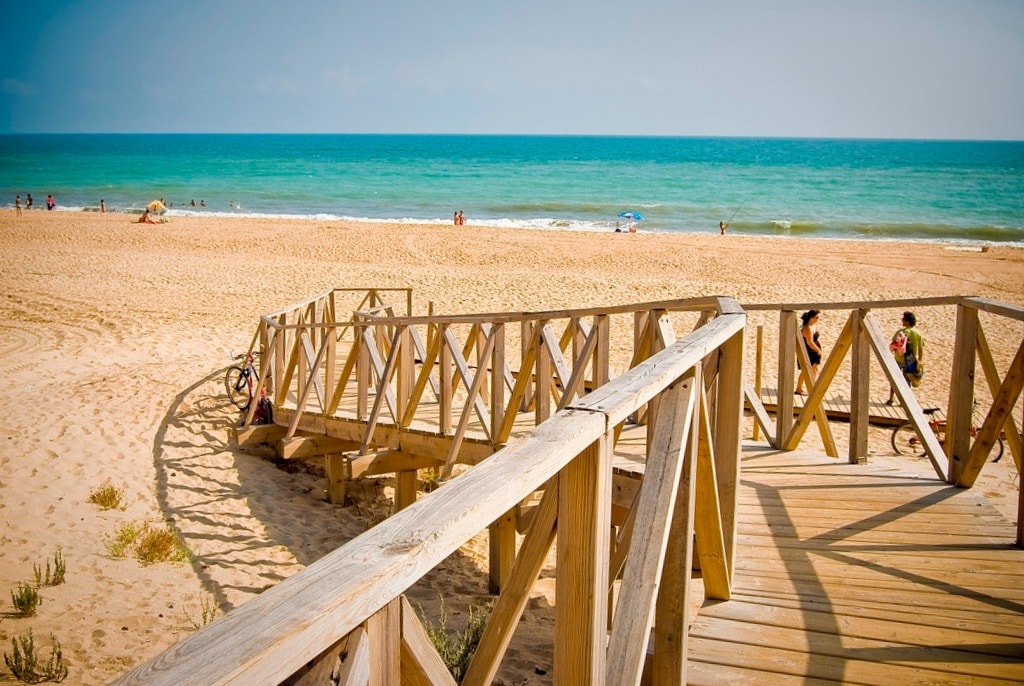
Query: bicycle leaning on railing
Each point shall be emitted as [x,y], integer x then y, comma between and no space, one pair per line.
[905,440]
[241,379]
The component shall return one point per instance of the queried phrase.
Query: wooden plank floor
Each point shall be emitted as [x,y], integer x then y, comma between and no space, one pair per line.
[837,407]
[863,574]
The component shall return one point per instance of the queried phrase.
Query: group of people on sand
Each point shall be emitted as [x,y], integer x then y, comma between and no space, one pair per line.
[50,203]
[458,218]
[907,347]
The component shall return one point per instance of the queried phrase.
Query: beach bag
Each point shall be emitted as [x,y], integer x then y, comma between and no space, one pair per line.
[909,363]
[264,413]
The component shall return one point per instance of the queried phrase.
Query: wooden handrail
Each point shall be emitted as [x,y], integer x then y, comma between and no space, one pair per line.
[272,636]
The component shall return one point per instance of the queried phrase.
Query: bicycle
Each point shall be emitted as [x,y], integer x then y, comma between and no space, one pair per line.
[905,440]
[240,381]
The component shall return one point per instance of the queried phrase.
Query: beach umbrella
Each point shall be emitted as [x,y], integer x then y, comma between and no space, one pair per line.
[632,216]
[157,207]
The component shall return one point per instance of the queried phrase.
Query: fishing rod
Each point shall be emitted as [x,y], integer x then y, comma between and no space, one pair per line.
[734,213]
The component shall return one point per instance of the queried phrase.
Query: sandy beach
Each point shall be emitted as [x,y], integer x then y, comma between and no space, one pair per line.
[114,336]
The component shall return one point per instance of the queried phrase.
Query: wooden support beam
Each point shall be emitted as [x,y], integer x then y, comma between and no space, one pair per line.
[860,389]
[728,431]
[712,544]
[502,550]
[421,665]
[631,625]
[312,446]
[516,592]
[759,425]
[761,416]
[355,664]
[337,472]
[786,376]
[880,346]
[1002,406]
[405,489]
[817,386]
[960,410]
[672,608]
[258,433]
[1010,429]
[584,544]
[384,629]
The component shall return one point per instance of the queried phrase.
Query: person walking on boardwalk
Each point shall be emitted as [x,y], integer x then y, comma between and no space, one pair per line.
[809,334]
[907,347]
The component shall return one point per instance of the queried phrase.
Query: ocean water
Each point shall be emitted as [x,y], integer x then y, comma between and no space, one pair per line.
[881,189]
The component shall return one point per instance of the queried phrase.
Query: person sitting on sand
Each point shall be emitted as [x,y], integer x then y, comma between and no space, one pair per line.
[146,218]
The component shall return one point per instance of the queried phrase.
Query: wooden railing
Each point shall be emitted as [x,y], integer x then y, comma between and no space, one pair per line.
[960,458]
[345,614]
[442,385]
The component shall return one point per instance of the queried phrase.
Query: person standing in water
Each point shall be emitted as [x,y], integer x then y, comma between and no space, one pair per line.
[722,226]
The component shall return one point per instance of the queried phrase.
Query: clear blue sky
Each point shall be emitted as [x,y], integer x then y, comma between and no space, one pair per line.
[832,68]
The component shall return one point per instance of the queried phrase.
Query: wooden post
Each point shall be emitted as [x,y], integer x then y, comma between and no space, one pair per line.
[583,547]
[602,352]
[959,415]
[728,438]
[672,608]
[497,362]
[336,470]
[860,391]
[362,375]
[384,630]
[542,375]
[527,340]
[445,372]
[502,547]
[405,489]
[787,375]
[758,362]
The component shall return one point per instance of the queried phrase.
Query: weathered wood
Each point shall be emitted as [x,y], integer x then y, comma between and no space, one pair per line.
[405,489]
[817,386]
[759,425]
[728,429]
[355,667]
[421,665]
[472,402]
[992,379]
[256,434]
[672,607]
[761,418]
[620,400]
[998,414]
[786,376]
[337,473]
[384,631]
[960,410]
[583,547]
[501,550]
[390,462]
[716,558]
[880,346]
[312,446]
[510,604]
[657,501]
[860,389]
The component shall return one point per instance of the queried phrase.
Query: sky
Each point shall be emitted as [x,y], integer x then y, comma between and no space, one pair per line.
[947,69]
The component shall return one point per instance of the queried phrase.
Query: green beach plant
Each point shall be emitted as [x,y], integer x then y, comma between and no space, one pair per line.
[26,665]
[207,611]
[456,649]
[107,496]
[149,545]
[56,578]
[25,599]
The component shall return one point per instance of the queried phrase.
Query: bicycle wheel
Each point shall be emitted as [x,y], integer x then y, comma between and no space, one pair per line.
[236,383]
[905,440]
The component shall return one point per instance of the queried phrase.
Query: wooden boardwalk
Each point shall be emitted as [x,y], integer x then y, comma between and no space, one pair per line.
[863,574]
[837,407]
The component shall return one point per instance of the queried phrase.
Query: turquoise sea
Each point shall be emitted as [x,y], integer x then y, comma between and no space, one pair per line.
[881,189]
